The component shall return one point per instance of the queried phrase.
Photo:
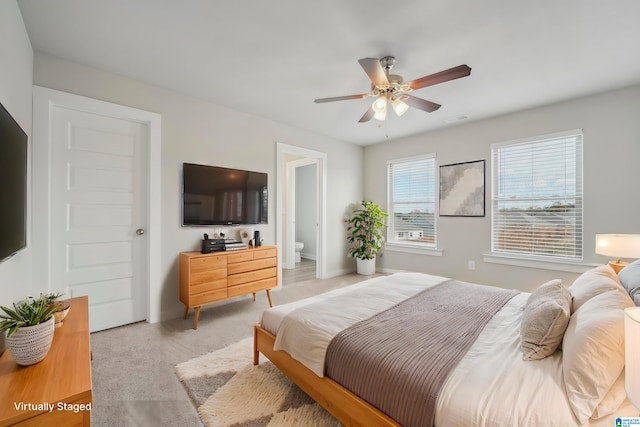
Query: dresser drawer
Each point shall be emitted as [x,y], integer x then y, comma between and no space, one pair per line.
[250,276]
[206,263]
[208,276]
[250,287]
[206,298]
[257,264]
[265,253]
[240,257]
[209,285]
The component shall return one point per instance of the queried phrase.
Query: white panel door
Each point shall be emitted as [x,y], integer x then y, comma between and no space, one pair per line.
[98,209]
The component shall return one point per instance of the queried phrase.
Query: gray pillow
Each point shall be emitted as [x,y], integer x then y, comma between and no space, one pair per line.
[630,279]
[544,320]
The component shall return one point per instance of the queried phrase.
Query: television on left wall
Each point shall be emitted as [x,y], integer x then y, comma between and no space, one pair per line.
[13,186]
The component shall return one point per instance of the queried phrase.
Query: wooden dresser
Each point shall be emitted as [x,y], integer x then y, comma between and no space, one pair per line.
[207,278]
[62,380]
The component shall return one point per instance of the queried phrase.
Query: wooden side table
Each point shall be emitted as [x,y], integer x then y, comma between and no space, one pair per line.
[62,380]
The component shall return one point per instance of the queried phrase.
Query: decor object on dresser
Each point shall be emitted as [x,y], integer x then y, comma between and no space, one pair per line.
[62,307]
[462,189]
[379,333]
[365,235]
[246,234]
[56,391]
[207,278]
[632,354]
[30,327]
[618,246]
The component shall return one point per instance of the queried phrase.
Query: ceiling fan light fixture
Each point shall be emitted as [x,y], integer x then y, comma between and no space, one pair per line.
[399,106]
[380,115]
[389,88]
[380,105]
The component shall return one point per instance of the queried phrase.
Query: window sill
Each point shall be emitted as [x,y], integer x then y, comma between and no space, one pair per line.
[412,249]
[571,267]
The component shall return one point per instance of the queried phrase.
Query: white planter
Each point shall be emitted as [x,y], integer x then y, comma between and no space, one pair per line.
[30,344]
[366,267]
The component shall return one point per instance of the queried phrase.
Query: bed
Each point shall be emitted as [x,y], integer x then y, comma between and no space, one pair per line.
[489,383]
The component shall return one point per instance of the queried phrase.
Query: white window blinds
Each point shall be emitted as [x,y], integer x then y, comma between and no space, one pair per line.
[412,201]
[537,197]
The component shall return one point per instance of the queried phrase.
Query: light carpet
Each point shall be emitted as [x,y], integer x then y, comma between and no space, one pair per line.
[228,390]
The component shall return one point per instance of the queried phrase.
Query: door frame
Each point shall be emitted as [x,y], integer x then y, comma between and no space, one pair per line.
[285,211]
[44,100]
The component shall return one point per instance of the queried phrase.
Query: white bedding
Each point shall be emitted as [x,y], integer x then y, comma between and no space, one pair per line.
[492,385]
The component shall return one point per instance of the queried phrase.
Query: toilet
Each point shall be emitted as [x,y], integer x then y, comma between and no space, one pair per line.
[298,247]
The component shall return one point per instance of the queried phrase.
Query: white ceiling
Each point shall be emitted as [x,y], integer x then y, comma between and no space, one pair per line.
[273,58]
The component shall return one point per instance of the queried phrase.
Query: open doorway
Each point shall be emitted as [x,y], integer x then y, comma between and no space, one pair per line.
[301,214]
[303,197]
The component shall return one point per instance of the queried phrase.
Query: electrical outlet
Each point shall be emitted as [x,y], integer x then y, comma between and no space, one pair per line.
[471,264]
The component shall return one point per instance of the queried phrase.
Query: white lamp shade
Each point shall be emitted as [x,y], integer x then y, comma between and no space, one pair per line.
[632,354]
[618,245]
[380,105]
[399,106]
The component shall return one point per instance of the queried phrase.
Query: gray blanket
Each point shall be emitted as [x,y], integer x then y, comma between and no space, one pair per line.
[399,359]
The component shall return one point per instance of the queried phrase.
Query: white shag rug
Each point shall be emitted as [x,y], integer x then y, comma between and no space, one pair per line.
[228,390]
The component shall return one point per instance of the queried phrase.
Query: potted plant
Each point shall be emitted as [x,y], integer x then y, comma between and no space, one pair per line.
[29,326]
[365,235]
[62,307]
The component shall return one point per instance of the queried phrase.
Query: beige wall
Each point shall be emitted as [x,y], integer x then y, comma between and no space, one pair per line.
[15,94]
[200,132]
[611,175]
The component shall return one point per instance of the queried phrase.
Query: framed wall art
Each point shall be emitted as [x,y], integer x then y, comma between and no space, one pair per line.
[462,189]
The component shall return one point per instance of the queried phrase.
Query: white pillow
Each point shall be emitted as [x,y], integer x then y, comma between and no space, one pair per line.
[612,400]
[591,283]
[593,351]
[544,320]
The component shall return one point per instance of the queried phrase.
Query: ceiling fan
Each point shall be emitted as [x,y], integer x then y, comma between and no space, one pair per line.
[391,89]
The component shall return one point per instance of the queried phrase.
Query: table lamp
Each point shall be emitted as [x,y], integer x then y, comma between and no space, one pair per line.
[632,354]
[618,246]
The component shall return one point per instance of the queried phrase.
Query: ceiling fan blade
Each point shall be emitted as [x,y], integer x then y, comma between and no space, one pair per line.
[421,104]
[340,98]
[374,70]
[367,116]
[441,77]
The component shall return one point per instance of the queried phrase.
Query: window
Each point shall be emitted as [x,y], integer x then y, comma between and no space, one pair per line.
[412,201]
[537,197]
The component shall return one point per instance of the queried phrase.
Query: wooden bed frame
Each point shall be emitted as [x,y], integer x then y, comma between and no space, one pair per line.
[348,408]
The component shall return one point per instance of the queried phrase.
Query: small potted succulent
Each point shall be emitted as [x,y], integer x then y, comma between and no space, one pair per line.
[29,326]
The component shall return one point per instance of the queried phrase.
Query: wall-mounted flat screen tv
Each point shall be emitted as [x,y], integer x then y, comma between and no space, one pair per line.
[214,195]
[13,186]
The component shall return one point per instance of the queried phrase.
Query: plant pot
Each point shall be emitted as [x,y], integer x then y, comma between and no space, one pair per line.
[30,344]
[59,315]
[366,267]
